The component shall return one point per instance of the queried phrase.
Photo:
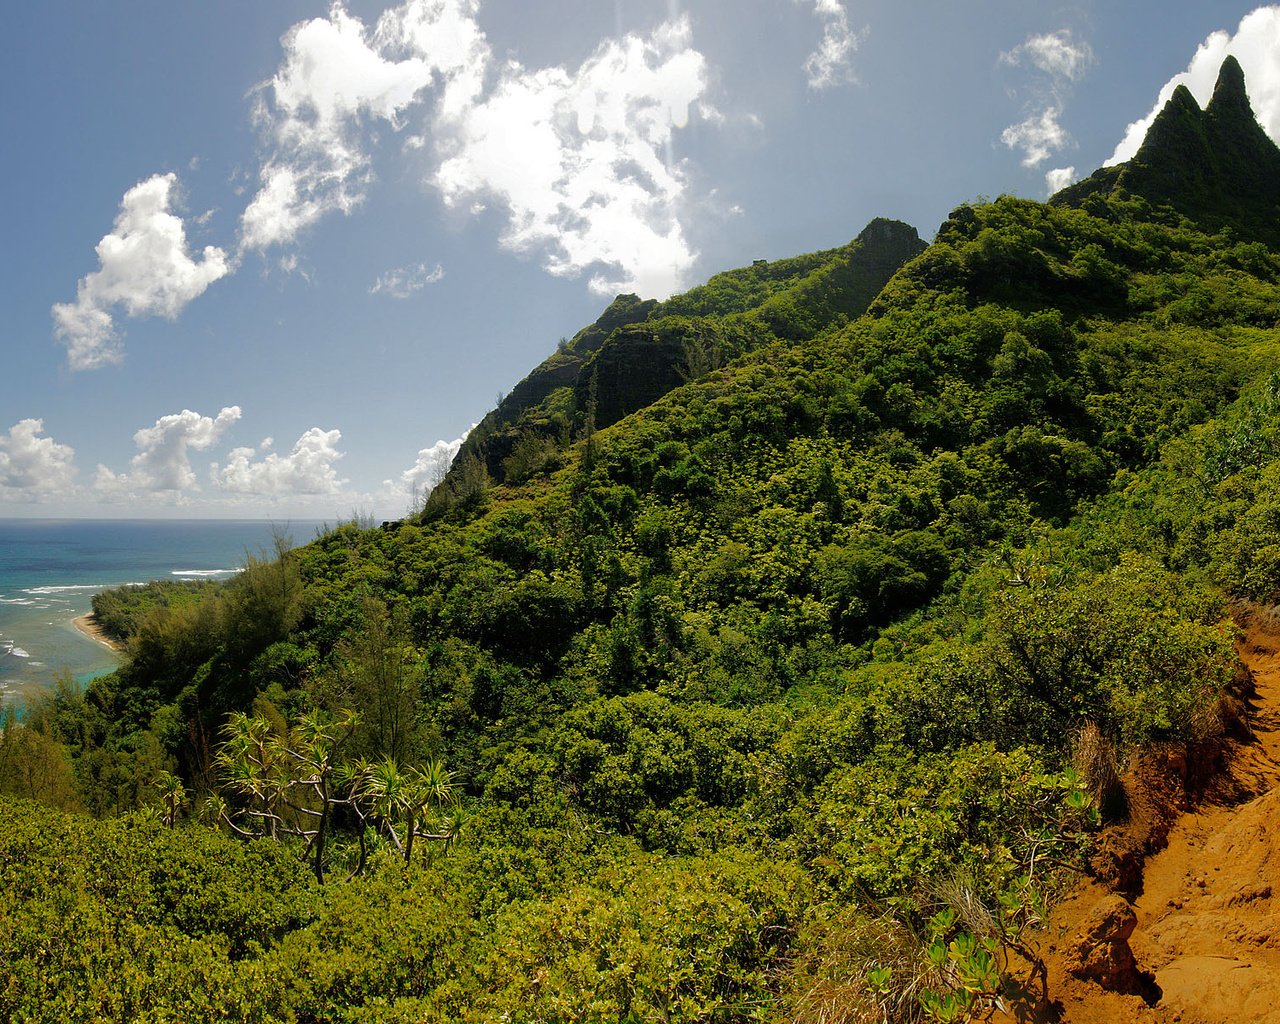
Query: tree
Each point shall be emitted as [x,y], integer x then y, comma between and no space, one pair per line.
[403,803]
[262,604]
[379,670]
[35,765]
[173,794]
[287,781]
[292,784]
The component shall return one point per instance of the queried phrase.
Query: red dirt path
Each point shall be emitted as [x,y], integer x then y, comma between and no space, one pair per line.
[1208,907]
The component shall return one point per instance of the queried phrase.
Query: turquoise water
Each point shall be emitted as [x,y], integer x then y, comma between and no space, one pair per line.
[51,568]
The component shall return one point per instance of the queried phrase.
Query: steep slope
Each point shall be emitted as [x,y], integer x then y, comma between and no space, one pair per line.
[1205,921]
[757,531]
[1216,166]
[747,688]
[640,350]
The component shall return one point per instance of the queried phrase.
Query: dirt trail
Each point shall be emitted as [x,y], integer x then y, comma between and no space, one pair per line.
[1208,916]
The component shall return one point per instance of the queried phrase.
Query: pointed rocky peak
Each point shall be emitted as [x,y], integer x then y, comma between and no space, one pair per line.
[880,249]
[1178,128]
[884,230]
[1234,130]
[1182,101]
[1230,98]
[1216,166]
[623,310]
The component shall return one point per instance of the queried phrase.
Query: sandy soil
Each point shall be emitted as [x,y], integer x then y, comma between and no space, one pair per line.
[1208,903]
[88,625]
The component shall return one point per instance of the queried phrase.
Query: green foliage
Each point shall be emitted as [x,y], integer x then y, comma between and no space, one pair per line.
[126,919]
[34,765]
[683,940]
[120,612]
[1214,166]
[377,669]
[754,631]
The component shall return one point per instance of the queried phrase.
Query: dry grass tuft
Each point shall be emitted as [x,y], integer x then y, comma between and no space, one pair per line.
[1096,759]
[828,980]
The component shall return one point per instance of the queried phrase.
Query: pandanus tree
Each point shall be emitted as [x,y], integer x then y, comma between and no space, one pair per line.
[405,804]
[173,794]
[291,784]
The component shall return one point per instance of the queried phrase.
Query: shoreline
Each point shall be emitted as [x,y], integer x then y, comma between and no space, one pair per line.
[87,625]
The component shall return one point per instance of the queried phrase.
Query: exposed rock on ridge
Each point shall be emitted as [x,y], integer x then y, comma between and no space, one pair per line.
[639,350]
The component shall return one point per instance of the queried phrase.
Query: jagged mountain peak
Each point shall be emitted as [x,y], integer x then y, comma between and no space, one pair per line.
[1214,165]
[639,350]
[885,229]
[1230,97]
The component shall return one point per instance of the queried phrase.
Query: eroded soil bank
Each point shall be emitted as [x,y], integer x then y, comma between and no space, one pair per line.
[1206,907]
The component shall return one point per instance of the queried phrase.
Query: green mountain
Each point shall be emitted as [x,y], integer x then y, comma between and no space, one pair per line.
[1215,166]
[767,655]
[640,350]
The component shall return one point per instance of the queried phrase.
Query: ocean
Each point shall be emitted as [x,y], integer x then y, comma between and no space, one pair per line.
[51,568]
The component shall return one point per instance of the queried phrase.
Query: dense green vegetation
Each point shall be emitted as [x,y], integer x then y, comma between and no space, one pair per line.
[780,691]
[1216,166]
[639,351]
[121,612]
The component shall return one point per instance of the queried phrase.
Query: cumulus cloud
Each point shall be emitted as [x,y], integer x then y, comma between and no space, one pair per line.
[404,281]
[336,79]
[144,268]
[1058,60]
[307,469]
[1256,45]
[162,462]
[33,465]
[410,489]
[431,466]
[832,62]
[1058,178]
[580,159]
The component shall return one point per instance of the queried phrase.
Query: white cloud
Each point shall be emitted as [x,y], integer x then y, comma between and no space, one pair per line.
[337,76]
[162,462]
[832,62]
[331,78]
[1039,137]
[34,465]
[410,489]
[404,281]
[1256,45]
[446,35]
[432,465]
[581,159]
[1061,61]
[308,469]
[1057,54]
[144,267]
[1058,178]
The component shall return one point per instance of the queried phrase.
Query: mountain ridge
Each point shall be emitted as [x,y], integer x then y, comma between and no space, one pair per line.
[783,696]
[638,350]
[1215,165]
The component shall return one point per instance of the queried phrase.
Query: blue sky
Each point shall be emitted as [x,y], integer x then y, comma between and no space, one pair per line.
[271,259]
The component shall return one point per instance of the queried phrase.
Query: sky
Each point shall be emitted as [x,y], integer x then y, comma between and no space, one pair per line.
[273,260]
